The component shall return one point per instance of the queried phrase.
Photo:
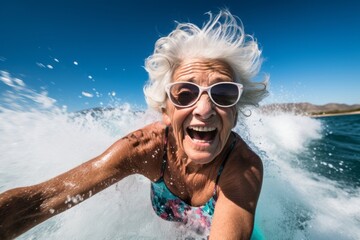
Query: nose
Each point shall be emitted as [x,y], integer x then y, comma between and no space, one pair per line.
[204,108]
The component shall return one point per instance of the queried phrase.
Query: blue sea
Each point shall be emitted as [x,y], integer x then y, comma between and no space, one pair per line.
[311,185]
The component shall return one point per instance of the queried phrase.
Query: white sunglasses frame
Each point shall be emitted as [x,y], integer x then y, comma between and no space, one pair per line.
[204,89]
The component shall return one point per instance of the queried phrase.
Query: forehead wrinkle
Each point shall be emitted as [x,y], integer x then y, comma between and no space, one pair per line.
[205,69]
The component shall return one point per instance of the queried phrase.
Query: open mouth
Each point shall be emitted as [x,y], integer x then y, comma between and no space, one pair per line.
[202,134]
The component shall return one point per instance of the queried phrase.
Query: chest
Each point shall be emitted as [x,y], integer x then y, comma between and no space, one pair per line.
[194,189]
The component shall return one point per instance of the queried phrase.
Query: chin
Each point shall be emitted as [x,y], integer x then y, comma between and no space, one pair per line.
[201,152]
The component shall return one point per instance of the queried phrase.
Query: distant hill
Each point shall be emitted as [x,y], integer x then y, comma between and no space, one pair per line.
[311,109]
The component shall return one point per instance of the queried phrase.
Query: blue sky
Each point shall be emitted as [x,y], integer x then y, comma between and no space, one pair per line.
[88,53]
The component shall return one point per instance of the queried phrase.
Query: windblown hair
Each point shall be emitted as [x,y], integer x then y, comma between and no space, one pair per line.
[221,38]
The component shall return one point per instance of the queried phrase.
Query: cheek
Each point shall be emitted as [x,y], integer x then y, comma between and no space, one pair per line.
[168,114]
[175,118]
[229,117]
[228,123]
[178,121]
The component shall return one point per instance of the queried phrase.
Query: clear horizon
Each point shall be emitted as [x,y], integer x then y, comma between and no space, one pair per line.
[88,54]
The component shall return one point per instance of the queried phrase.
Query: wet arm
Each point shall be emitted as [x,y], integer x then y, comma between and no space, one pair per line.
[23,208]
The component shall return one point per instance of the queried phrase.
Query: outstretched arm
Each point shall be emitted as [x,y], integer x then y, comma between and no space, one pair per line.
[23,208]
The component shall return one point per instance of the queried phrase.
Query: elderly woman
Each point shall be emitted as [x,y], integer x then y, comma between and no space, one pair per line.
[203,174]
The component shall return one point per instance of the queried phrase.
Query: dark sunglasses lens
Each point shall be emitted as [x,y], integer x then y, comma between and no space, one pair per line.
[183,94]
[225,94]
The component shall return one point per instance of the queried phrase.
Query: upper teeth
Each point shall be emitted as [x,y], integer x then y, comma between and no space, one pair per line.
[202,129]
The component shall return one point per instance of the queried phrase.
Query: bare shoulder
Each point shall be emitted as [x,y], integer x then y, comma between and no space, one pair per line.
[238,193]
[141,150]
[245,158]
[140,139]
[241,179]
[144,134]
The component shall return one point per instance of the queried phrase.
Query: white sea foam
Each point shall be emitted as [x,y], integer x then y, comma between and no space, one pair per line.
[297,204]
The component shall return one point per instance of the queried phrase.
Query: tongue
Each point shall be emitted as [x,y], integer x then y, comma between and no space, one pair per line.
[204,136]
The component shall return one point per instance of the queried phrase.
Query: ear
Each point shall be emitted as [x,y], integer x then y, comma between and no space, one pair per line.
[165,117]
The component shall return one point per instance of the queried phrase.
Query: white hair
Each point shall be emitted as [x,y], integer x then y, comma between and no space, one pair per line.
[221,38]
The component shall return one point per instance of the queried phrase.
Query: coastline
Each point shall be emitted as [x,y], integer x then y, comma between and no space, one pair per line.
[312,110]
[333,114]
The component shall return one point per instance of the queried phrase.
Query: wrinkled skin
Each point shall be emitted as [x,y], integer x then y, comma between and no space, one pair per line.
[203,114]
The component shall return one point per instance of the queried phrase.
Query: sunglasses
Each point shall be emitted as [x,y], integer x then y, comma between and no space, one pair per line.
[186,94]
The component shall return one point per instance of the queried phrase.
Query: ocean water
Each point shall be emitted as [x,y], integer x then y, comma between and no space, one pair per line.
[311,185]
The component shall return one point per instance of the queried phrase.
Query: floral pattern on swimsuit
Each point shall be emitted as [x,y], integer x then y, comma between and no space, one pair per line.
[171,208]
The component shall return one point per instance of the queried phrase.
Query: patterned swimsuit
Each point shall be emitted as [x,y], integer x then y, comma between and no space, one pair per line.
[172,208]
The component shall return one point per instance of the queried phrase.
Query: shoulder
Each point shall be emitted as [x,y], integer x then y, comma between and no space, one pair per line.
[238,192]
[149,138]
[146,149]
[241,179]
[244,159]
[146,137]
[155,129]
[140,151]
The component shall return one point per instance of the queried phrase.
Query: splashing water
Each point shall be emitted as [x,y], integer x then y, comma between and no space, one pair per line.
[40,140]
[297,203]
